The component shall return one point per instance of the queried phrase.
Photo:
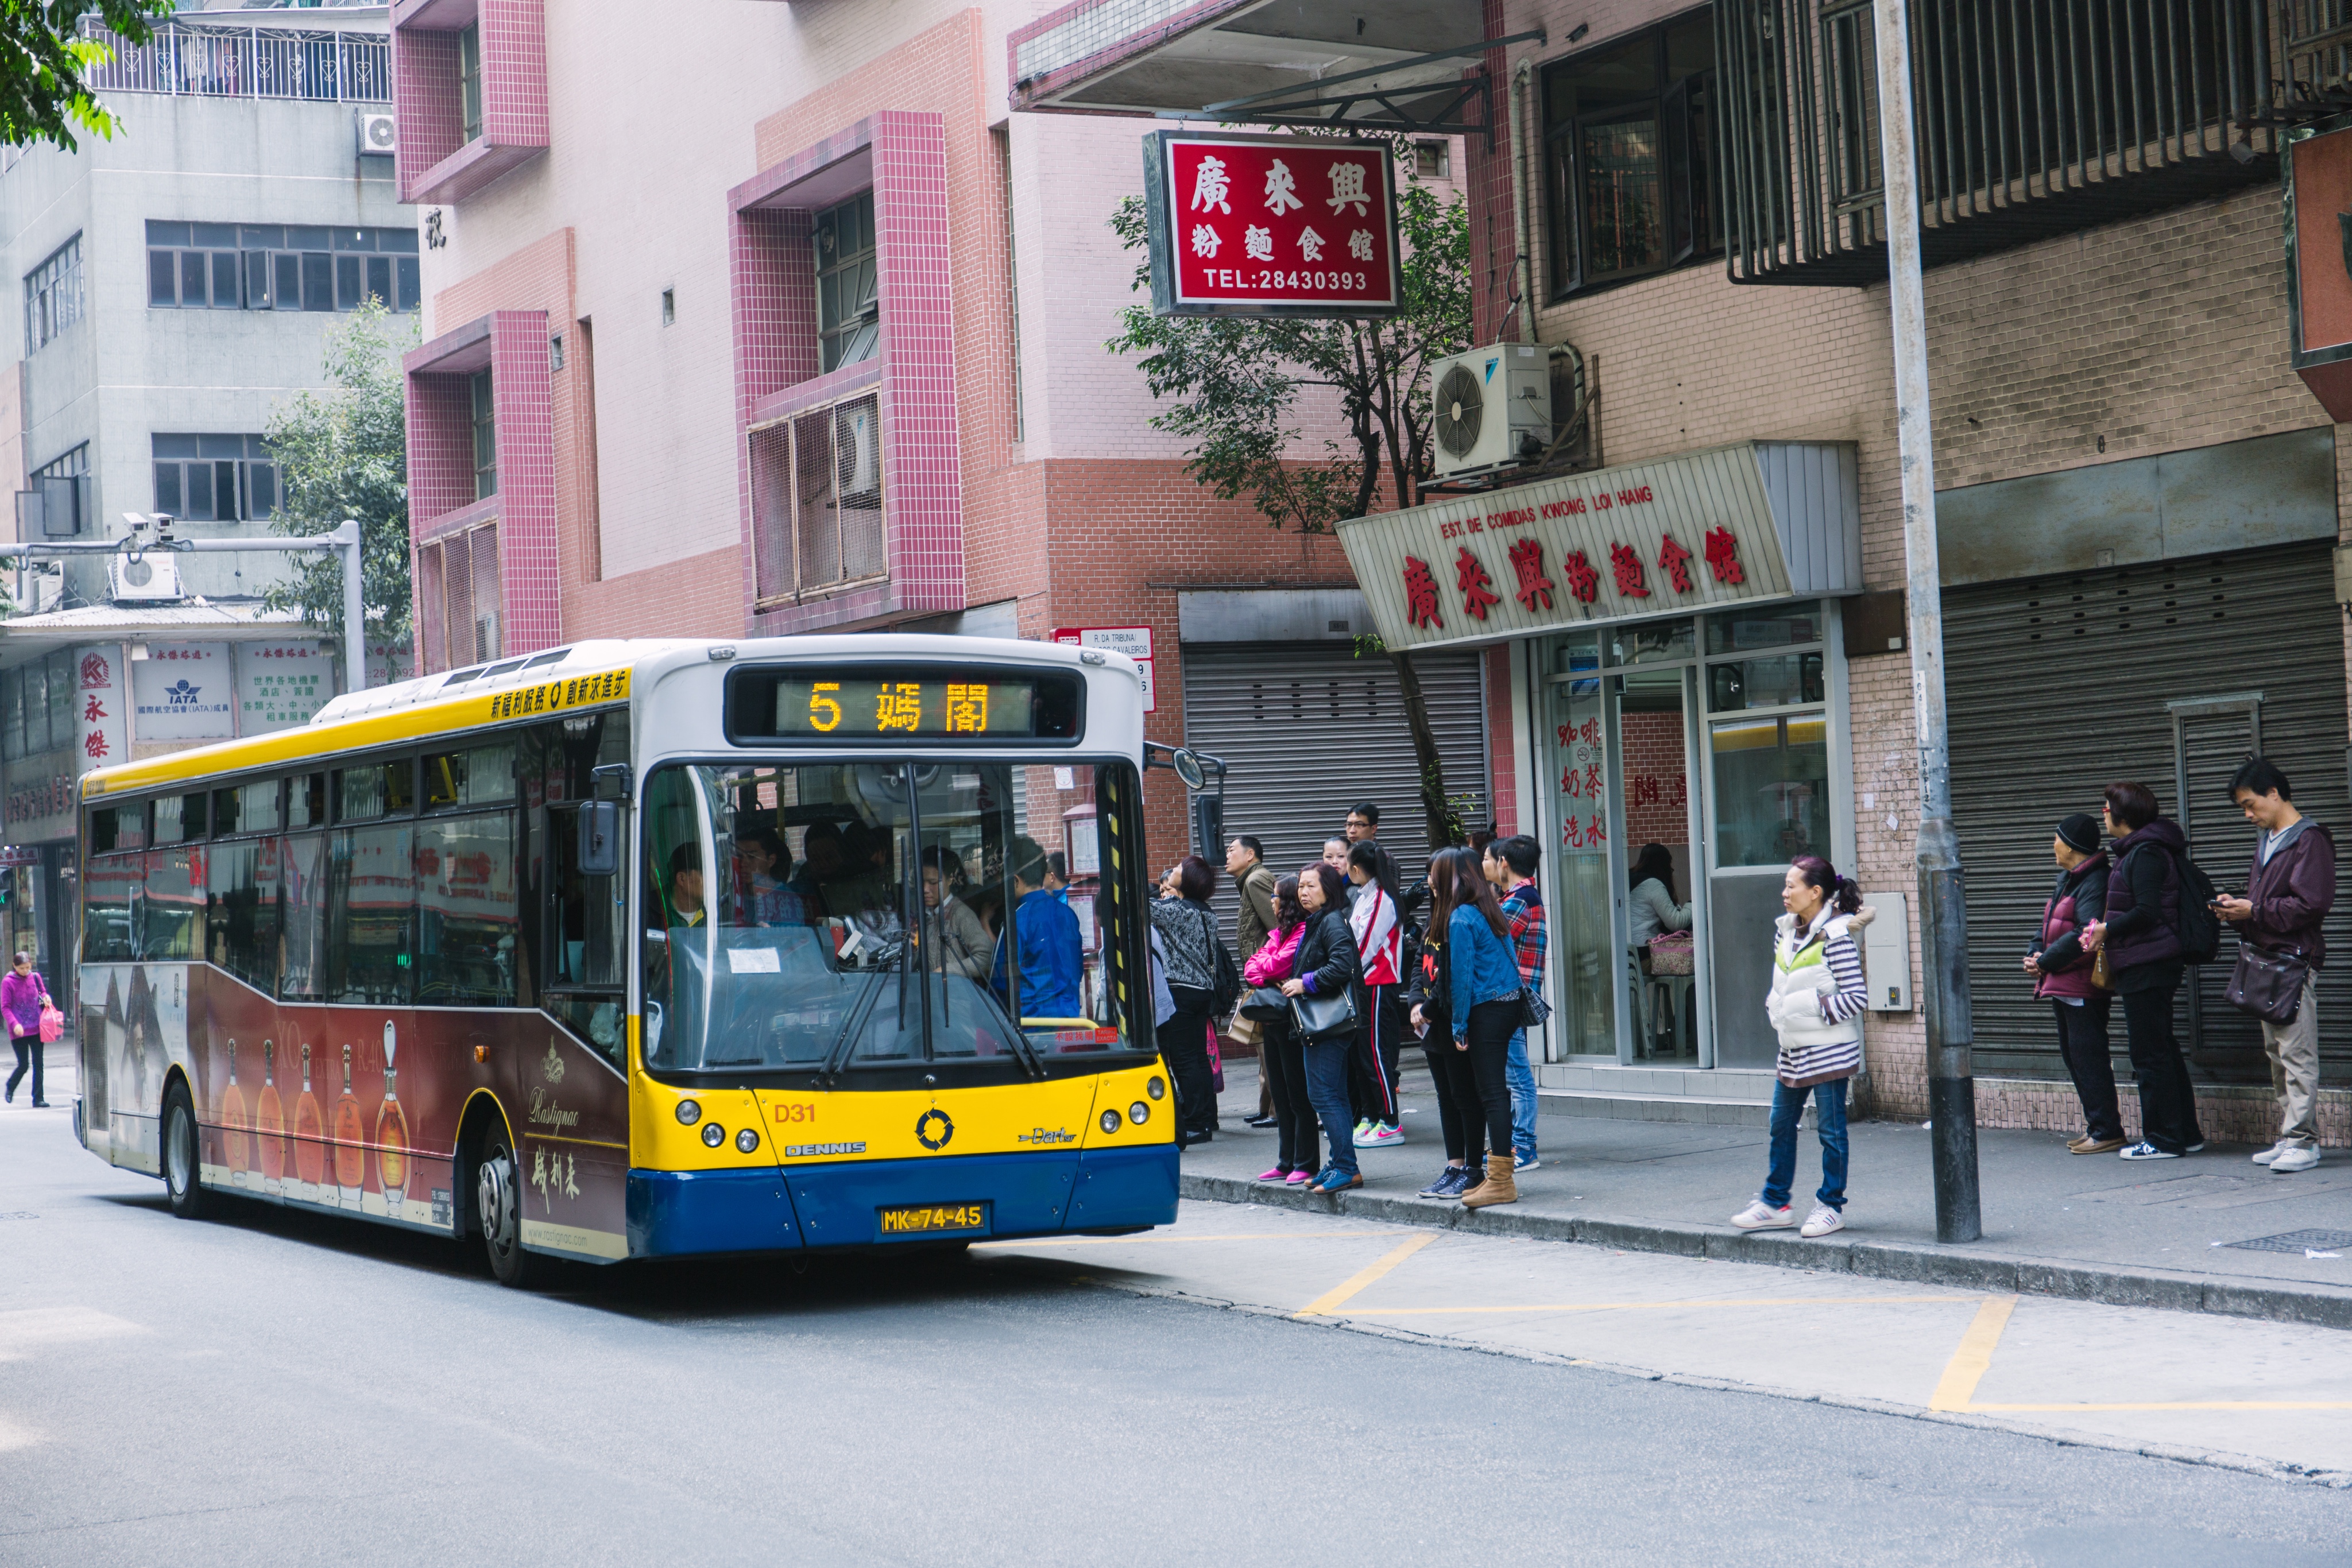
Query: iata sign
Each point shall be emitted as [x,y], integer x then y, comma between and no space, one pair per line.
[1270,225]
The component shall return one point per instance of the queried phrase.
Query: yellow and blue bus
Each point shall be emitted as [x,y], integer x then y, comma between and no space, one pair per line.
[636,949]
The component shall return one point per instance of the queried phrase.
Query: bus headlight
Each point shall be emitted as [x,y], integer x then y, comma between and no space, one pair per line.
[1110,1122]
[1157,1088]
[747,1139]
[1139,1113]
[713,1135]
[688,1112]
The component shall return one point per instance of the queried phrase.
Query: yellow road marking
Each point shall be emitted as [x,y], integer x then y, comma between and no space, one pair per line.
[1655,1306]
[1164,1240]
[1968,1363]
[1330,1300]
[2184,1404]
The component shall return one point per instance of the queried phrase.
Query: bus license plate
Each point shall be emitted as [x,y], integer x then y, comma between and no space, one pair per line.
[934,1219]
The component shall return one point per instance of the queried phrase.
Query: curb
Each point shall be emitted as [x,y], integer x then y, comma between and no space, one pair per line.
[2319,1306]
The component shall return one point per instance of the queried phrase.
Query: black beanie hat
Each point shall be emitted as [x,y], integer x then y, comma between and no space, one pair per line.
[2080,831]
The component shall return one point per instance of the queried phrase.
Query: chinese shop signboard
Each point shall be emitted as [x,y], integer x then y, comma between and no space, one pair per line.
[1270,225]
[102,708]
[181,691]
[2318,183]
[281,685]
[1759,520]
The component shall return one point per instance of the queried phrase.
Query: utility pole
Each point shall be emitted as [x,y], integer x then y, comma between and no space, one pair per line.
[1943,899]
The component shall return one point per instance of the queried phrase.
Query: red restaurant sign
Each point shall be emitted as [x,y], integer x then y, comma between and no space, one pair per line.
[1270,225]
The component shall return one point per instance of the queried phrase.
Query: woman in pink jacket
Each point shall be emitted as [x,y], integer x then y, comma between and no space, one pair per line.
[23,994]
[1282,1057]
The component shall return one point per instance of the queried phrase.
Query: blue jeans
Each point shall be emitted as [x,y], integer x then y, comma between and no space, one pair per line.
[1326,1091]
[1522,1080]
[1788,1108]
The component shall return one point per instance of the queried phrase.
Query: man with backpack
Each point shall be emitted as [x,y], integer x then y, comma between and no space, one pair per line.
[2160,919]
[2288,892]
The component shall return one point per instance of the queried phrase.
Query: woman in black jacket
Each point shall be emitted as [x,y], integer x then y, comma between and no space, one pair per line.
[1327,966]
[1188,938]
[1461,1117]
[2062,974]
[2142,935]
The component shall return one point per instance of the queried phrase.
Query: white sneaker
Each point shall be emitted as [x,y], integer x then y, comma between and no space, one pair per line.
[2274,1152]
[1762,1215]
[2301,1157]
[1363,1132]
[1382,1135]
[2146,1151]
[1822,1221]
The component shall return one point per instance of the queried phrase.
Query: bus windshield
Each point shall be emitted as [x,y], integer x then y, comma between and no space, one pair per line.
[879,913]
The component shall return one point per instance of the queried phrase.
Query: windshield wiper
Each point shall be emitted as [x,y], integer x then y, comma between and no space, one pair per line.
[837,1057]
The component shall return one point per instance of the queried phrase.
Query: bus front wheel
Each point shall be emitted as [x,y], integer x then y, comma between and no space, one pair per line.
[183,1184]
[498,1197]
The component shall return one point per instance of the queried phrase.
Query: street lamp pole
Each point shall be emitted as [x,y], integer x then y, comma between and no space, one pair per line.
[1943,899]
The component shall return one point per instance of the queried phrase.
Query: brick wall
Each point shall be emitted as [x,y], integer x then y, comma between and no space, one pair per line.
[1657,782]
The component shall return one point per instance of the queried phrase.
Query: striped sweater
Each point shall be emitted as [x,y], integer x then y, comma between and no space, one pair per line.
[1817,998]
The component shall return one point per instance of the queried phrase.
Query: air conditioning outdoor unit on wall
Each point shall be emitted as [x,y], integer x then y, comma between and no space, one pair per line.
[1493,408]
[379,133]
[152,579]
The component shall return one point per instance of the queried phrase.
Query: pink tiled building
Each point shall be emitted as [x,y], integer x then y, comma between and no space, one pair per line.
[801,329]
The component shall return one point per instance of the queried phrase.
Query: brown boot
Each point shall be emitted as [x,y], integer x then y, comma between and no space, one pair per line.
[1501,1184]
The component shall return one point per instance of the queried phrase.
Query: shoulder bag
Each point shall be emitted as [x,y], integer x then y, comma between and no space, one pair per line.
[1324,1018]
[2268,985]
[1263,1003]
[1224,976]
[1533,1010]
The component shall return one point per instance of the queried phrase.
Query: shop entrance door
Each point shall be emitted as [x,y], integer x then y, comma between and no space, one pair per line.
[1652,710]
[1584,955]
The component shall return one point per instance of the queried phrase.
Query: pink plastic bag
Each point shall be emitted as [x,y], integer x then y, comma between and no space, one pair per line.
[53,1026]
[1216,1064]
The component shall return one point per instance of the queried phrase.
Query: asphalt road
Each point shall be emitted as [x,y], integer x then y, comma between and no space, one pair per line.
[274,1388]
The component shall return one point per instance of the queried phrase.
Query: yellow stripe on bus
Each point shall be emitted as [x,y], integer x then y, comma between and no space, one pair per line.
[448,715]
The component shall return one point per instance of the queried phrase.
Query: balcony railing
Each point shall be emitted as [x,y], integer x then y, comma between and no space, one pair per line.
[217,61]
[2035,117]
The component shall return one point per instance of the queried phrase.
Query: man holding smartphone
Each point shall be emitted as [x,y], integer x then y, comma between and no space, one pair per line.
[2288,892]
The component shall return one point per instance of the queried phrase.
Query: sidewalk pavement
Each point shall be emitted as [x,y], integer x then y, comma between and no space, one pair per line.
[2168,1233]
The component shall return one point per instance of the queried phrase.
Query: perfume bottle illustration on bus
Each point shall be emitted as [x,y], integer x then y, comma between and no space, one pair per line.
[350,1142]
[310,1135]
[391,1133]
[232,1116]
[269,1123]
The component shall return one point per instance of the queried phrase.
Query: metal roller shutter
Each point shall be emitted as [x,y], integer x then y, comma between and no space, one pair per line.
[2060,686]
[1307,729]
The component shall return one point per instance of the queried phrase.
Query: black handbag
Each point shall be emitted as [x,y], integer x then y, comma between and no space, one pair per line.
[1264,1003]
[1320,1017]
[2268,985]
[1533,1010]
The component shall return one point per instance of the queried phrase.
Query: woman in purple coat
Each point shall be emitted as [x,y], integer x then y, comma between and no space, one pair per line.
[23,994]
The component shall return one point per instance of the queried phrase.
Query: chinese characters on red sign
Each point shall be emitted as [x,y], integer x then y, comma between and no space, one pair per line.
[1535,590]
[1276,221]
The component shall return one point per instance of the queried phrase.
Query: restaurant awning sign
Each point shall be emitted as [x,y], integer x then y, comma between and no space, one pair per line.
[1729,525]
[1270,225]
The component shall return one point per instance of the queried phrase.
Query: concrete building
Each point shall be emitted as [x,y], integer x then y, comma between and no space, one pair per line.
[826,352]
[1702,641]
[176,282]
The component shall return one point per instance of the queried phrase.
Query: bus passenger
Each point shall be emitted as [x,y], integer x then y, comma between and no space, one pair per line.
[1051,952]
[820,863]
[686,884]
[962,936]
[765,900]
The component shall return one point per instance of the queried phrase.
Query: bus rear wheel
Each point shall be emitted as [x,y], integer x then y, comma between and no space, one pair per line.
[498,1197]
[183,1184]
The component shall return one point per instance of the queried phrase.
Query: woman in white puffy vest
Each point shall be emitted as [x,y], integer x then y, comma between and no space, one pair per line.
[1816,1005]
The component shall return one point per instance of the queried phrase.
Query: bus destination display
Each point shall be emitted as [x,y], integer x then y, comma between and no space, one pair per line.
[885,708]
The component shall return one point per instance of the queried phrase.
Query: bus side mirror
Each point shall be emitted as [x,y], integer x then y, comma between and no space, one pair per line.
[600,838]
[610,781]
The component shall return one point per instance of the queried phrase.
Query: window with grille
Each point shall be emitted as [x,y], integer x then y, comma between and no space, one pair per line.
[1629,162]
[215,479]
[486,437]
[461,600]
[280,267]
[848,301]
[469,80]
[817,500]
[53,295]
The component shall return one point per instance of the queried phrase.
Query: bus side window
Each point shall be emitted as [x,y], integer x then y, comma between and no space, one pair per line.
[106,908]
[241,912]
[467,939]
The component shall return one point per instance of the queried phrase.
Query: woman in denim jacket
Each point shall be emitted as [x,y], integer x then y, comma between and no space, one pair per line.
[1482,982]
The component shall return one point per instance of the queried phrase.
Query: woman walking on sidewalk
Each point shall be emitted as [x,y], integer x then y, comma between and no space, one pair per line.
[2141,934]
[1280,1052]
[1815,1004]
[1482,985]
[23,994]
[2063,973]
[1324,966]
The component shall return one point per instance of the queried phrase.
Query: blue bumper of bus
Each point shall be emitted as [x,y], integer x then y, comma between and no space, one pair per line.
[678,1212]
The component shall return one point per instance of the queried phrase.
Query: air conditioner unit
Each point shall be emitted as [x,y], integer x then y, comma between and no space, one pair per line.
[1493,408]
[858,454]
[379,133]
[152,579]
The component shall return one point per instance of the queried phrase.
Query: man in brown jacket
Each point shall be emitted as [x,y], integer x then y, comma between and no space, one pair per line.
[1253,880]
[2288,893]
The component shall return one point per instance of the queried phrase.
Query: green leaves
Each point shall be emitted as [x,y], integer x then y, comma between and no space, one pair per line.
[342,454]
[43,61]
